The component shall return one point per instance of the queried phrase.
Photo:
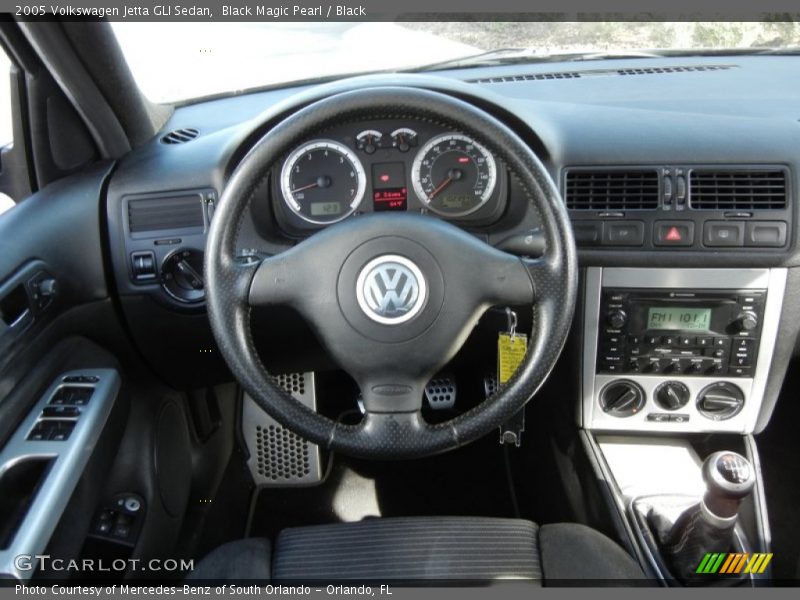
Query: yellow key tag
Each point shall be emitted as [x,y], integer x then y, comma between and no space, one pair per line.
[510,354]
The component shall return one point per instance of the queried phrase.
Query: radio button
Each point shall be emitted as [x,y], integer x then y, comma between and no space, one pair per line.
[741,371]
[721,342]
[653,339]
[669,340]
[696,367]
[704,341]
[686,341]
[634,339]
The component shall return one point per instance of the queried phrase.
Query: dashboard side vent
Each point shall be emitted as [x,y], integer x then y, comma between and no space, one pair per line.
[180,136]
[170,212]
[611,189]
[601,73]
[737,189]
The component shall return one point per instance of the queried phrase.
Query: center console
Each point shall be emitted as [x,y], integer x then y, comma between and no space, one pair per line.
[668,353]
[678,350]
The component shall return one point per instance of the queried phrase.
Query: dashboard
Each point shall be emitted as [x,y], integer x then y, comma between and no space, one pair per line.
[678,174]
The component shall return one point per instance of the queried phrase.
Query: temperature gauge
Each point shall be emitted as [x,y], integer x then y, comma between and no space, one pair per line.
[369,141]
[404,138]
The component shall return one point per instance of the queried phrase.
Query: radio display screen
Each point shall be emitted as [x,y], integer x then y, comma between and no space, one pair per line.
[673,317]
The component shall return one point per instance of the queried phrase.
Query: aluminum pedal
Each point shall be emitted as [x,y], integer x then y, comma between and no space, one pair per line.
[440,393]
[279,457]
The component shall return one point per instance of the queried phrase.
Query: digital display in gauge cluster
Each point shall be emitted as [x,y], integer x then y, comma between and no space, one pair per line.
[382,167]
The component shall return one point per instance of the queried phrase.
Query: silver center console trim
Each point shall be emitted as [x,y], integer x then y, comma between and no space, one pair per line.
[594,418]
[69,459]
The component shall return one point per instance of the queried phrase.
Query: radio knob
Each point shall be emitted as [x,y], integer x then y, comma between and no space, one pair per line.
[747,321]
[616,319]
[672,395]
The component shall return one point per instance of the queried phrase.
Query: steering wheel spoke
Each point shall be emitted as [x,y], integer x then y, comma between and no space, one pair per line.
[277,280]
[543,273]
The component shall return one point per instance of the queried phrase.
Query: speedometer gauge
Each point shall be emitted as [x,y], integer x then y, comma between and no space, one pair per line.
[454,175]
[323,182]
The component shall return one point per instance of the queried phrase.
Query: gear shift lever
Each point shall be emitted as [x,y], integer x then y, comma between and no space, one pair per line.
[708,526]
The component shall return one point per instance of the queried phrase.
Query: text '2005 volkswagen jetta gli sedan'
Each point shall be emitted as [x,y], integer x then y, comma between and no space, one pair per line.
[278,311]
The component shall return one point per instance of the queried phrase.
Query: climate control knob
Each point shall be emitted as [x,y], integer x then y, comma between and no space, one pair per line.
[747,321]
[720,401]
[616,319]
[672,395]
[622,398]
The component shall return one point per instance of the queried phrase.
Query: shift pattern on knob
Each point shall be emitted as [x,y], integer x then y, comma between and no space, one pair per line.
[733,467]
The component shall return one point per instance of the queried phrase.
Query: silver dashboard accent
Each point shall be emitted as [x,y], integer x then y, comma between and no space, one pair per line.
[591,414]
[68,460]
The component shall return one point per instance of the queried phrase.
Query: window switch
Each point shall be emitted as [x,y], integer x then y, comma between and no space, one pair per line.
[61,411]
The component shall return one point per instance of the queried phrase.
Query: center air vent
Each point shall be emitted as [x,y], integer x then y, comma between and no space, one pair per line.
[615,189]
[741,189]
[180,136]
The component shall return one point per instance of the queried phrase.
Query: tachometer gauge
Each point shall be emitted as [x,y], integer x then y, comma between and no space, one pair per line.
[323,182]
[454,175]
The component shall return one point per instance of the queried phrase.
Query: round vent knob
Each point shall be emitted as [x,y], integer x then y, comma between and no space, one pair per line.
[622,398]
[720,401]
[672,395]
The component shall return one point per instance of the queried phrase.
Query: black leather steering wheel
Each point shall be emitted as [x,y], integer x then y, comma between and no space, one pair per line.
[447,278]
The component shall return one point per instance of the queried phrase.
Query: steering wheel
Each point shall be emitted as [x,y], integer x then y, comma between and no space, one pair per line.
[391,296]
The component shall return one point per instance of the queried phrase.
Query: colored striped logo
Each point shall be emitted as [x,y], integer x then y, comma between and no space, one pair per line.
[727,563]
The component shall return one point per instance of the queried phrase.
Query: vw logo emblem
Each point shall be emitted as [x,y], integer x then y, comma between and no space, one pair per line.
[391,289]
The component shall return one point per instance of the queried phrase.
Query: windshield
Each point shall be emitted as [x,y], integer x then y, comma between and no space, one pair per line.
[179,61]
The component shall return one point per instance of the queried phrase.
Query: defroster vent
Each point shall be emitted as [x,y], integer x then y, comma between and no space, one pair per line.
[740,189]
[611,189]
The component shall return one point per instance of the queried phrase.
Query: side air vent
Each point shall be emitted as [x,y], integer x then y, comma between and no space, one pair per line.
[180,136]
[601,73]
[741,189]
[611,189]
[168,212]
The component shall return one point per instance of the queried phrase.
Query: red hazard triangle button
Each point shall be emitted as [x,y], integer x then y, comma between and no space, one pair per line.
[674,233]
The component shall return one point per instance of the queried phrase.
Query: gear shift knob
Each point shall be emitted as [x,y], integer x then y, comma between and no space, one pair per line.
[729,479]
[707,526]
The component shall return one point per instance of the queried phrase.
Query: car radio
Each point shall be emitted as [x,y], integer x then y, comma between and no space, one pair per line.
[680,331]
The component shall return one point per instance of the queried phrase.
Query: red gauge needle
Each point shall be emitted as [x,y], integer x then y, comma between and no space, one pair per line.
[305,187]
[452,175]
[440,187]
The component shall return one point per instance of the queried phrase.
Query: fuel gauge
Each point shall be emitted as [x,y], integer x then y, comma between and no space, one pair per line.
[404,139]
[369,140]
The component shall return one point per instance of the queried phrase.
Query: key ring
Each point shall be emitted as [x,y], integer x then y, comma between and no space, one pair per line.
[511,316]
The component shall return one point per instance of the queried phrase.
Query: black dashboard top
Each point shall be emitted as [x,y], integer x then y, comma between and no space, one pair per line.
[680,121]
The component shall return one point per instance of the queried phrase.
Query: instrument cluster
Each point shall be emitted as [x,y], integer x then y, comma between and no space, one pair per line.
[386,166]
